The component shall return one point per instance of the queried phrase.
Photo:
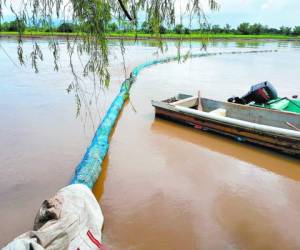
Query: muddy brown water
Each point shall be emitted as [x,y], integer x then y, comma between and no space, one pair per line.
[164,186]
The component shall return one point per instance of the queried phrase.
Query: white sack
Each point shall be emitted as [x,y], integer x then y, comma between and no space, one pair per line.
[72,219]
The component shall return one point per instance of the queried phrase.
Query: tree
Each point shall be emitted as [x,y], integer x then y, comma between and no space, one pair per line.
[16,26]
[265,29]
[244,28]
[113,27]
[92,18]
[285,30]
[187,31]
[179,29]
[216,29]
[256,29]
[128,27]
[4,26]
[145,27]
[205,28]
[162,29]
[227,28]
[296,31]
[66,28]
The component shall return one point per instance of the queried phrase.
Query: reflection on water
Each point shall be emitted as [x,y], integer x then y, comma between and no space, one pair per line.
[220,44]
[164,186]
[227,146]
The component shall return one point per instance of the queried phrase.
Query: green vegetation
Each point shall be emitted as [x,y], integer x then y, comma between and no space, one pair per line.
[33,33]
[142,35]
[97,21]
[199,36]
[243,31]
[251,30]
[66,28]
[13,26]
[92,20]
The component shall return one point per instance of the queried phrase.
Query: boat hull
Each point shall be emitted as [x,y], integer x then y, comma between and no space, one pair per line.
[276,141]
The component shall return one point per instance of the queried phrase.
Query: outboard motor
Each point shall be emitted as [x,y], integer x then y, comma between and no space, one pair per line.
[259,93]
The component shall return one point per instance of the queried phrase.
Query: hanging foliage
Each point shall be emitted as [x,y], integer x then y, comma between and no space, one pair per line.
[92,19]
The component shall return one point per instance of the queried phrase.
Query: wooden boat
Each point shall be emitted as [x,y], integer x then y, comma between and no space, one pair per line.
[270,128]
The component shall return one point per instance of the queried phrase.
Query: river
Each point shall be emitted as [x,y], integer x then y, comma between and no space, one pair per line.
[164,186]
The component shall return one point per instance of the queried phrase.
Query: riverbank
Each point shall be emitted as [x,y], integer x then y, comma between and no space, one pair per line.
[198,36]
[168,36]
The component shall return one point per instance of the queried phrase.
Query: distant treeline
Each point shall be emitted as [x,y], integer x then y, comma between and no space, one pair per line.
[242,29]
[145,27]
[17,25]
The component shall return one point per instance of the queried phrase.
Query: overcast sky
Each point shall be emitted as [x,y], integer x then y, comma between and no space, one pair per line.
[273,13]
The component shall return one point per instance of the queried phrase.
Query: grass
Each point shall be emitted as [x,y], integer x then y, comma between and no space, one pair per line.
[139,35]
[36,33]
[201,36]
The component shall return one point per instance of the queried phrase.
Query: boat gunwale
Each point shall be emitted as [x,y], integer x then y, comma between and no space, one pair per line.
[234,122]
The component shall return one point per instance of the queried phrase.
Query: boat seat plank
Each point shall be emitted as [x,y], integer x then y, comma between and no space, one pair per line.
[187,102]
[220,112]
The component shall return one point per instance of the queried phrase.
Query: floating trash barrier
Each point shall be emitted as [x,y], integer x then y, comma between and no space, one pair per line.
[90,167]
